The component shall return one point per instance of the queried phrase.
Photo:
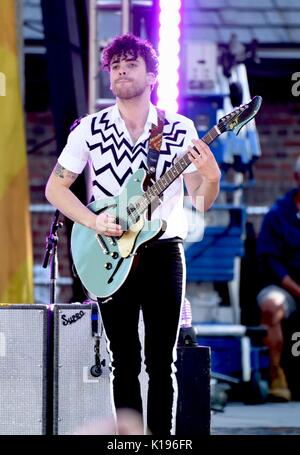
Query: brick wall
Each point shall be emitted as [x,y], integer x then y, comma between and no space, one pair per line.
[41,147]
[279,133]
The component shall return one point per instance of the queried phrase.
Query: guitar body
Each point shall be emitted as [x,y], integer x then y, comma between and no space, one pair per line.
[103,263]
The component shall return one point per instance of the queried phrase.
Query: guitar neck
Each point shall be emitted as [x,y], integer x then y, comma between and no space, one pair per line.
[168,178]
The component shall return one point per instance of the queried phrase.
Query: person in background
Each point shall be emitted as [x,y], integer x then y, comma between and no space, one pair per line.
[278,252]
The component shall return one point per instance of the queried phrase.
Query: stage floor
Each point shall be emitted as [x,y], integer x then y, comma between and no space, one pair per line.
[264,419]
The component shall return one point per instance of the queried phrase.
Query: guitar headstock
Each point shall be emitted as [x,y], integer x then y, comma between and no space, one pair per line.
[240,116]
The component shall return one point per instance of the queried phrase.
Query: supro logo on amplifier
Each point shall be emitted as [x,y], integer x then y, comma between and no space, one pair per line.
[74,318]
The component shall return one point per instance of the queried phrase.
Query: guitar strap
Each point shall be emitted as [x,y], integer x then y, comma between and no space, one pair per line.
[156,136]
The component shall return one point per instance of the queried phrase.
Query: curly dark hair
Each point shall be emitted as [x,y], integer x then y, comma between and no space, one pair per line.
[129,44]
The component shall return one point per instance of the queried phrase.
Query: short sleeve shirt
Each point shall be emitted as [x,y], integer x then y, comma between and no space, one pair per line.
[103,141]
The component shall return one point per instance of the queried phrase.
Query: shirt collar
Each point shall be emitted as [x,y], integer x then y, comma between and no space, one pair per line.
[151,119]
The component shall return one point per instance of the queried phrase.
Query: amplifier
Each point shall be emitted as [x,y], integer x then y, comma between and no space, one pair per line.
[193,404]
[23,367]
[82,391]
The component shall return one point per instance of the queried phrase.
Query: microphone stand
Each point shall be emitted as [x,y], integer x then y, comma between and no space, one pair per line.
[51,250]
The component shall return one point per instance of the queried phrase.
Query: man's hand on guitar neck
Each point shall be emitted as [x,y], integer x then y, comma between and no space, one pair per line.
[203,185]
[203,158]
[105,224]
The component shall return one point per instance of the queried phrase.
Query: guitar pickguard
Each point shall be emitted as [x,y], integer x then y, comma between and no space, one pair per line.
[127,241]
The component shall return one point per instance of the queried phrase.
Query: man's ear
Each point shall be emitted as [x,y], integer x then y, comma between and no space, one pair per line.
[151,79]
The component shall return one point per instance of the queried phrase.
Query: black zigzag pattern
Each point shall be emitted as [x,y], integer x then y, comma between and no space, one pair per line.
[117,143]
[169,147]
[111,148]
[143,145]
[173,126]
[171,139]
[119,180]
[137,149]
[101,188]
[110,168]
[174,137]
[124,154]
[167,165]
[104,138]
[104,121]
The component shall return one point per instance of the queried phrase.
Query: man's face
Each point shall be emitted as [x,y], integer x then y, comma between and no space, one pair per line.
[128,77]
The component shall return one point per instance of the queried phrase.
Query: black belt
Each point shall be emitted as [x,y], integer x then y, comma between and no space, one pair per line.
[164,241]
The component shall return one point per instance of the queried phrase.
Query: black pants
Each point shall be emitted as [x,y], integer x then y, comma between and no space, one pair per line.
[155,286]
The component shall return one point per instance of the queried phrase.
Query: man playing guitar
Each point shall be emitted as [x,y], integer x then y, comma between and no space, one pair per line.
[115,141]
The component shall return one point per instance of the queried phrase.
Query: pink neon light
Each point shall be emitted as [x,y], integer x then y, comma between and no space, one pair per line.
[168,50]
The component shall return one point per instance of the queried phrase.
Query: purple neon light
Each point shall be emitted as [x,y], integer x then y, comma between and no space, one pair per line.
[168,50]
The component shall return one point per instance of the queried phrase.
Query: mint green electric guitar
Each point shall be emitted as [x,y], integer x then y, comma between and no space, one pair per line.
[103,263]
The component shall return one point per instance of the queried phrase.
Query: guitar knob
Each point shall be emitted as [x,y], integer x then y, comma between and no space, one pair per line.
[114,255]
[108,265]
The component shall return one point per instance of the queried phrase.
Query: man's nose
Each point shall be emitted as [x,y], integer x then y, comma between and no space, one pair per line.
[122,71]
